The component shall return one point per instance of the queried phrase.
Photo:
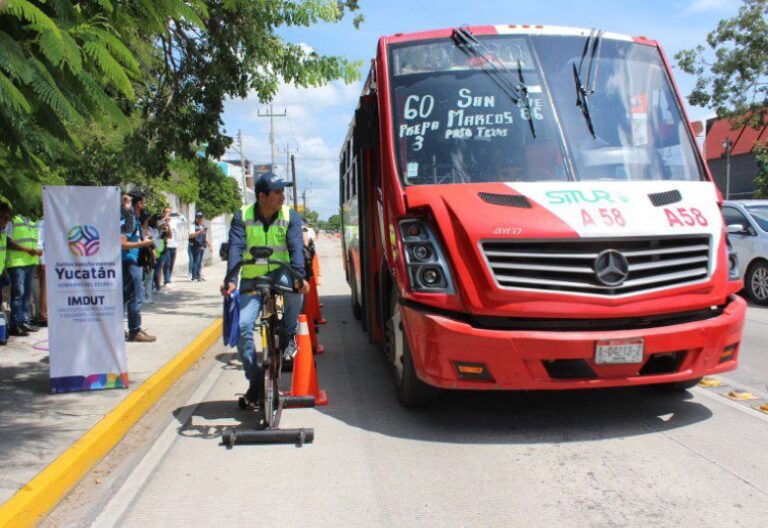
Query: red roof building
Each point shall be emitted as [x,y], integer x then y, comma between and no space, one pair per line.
[743,163]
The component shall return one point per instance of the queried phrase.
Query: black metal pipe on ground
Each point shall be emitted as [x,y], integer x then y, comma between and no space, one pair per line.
[295,402]
[269,436]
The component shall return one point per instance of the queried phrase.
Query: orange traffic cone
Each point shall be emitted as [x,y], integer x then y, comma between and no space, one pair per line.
[315,303]
[304,380]
[316,268]
[316,347]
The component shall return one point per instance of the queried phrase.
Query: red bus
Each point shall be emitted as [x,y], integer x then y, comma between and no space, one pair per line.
[524,207]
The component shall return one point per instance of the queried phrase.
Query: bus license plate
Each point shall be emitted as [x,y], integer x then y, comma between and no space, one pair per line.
[619,351]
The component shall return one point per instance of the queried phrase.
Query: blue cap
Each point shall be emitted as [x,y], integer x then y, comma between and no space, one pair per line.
[269,181]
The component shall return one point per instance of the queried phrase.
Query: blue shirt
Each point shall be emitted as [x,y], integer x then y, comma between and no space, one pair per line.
[294,239]
[132,231]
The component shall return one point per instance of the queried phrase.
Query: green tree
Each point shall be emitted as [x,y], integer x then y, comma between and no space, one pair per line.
[732,75]
[333,223]
[219,194]
[153,73]
[310,216]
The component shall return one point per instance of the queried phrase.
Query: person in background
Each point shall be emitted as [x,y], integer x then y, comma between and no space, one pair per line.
[23,258]
[148,256]
[42,305]
[171,245]
[5,217]
[131,241]
[161,256]
[198,241]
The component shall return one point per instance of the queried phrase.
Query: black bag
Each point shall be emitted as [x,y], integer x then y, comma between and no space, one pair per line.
[224,251]
[147,256]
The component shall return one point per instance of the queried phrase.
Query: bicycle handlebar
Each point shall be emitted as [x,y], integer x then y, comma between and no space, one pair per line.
[279,263]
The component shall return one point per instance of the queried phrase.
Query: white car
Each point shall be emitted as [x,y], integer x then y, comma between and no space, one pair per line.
[747,222]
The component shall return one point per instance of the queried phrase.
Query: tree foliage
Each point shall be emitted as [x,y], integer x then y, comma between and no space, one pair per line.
[732,75]
[111,92]
[332,224]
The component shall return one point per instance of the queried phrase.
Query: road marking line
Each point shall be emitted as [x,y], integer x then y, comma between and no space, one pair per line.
[38,496]
[124,496]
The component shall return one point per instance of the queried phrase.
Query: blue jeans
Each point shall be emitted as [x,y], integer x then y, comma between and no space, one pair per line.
[133,295]
[170,260]
[21,294]
[250,308]
[158,271]
[197,261]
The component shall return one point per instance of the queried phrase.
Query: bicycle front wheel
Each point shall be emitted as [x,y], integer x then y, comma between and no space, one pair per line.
[270,396]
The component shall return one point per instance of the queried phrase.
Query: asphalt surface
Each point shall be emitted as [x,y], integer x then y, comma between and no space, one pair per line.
[639,457]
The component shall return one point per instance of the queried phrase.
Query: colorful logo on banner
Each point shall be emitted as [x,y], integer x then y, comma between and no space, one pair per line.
[83,240]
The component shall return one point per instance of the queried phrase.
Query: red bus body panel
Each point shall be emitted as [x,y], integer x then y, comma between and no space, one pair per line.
[439,337]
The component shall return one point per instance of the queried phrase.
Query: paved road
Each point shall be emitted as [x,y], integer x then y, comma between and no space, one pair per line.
[753,360]
[589,458]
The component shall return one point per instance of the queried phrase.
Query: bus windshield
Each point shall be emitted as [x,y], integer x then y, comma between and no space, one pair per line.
[509,113]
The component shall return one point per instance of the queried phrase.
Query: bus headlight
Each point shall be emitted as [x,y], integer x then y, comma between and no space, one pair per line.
[427,266]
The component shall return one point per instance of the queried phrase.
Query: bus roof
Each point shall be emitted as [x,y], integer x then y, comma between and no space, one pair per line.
[510,29]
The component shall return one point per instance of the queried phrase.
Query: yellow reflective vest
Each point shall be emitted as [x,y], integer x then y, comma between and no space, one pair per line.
[159,247]
[3,251]
[25,235]
[256,236]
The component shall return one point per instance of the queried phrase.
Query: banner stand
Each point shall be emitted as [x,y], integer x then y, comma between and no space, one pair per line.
[85,288]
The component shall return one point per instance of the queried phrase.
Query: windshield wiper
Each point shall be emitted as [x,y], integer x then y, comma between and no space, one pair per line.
[584,91]
[468,43]
[524,90]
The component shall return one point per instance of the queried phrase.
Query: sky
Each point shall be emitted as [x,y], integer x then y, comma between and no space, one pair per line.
[318,118]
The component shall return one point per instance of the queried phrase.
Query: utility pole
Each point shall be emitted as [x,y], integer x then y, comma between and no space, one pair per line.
[288,151]
[293,179]
[271,115]
[728,145]
[242,163]
[304,200]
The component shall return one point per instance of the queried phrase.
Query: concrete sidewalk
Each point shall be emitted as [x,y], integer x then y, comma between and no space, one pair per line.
[36,426]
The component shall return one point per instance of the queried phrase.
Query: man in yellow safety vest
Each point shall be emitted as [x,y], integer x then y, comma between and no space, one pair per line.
[268,222]
[23,258]
[5,217]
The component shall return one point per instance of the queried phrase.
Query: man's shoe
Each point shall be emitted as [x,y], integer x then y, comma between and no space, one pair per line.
[41,323]
[18,331]
[143,337]
[291,350]
[29,328]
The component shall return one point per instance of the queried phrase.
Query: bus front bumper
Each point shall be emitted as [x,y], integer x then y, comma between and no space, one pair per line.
[453,354]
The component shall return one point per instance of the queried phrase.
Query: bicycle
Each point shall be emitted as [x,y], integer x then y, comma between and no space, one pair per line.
[271,401]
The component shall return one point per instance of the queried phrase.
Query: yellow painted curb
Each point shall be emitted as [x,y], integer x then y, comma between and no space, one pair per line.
[46,489]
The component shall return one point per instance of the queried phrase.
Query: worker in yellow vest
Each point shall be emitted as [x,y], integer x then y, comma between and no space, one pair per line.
[268,222]
[23,258]
[5,217]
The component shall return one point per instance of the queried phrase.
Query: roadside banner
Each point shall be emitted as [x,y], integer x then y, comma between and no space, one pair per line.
[85,288]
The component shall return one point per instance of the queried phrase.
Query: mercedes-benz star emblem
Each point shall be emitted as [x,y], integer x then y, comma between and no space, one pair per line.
[611,268]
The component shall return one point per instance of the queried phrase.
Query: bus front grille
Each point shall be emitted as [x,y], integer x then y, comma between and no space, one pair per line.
[604,267]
